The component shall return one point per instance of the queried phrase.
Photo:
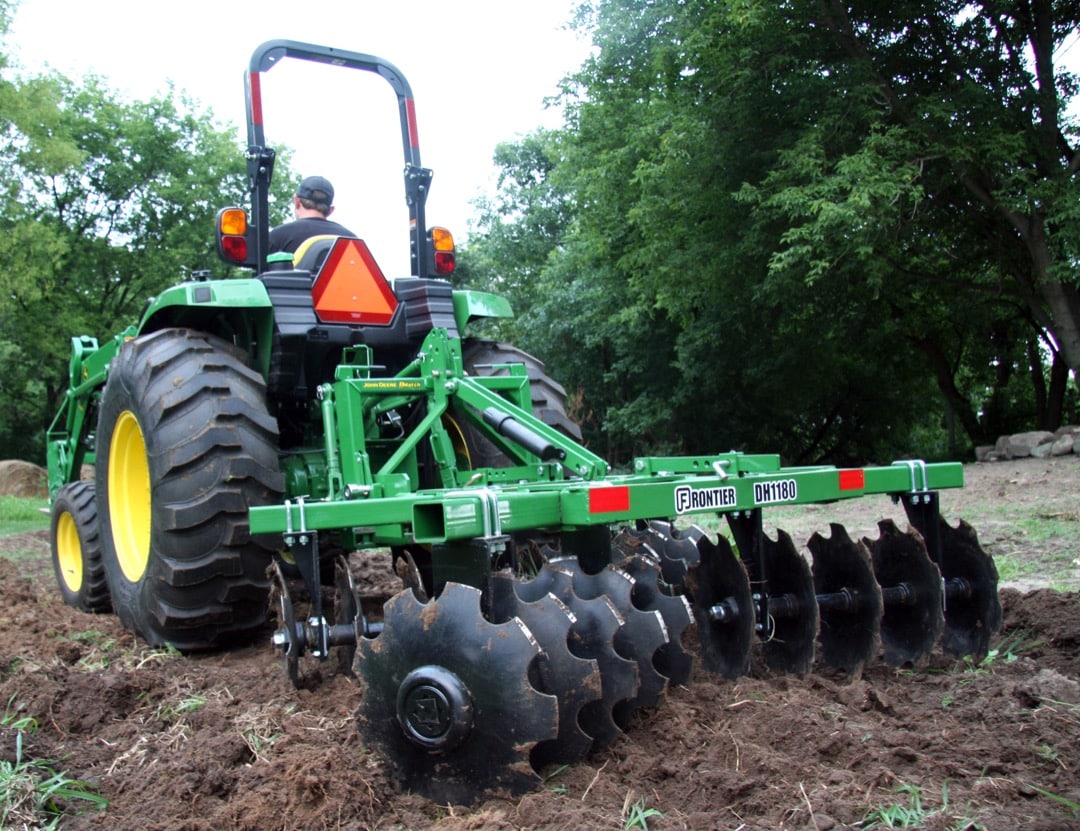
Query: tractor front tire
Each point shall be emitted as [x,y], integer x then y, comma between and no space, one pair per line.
[76,548]
[184,447]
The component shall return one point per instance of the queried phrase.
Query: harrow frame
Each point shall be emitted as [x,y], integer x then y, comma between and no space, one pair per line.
[367,489]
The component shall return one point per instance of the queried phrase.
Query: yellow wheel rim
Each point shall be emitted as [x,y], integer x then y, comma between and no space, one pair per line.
[69,552]
[129,496]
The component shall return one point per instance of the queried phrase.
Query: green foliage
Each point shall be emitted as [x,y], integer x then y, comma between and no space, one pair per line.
[1072,807]
[915,814]
[10,718]
[175,710]
[785,227]
[107,202]
[37,796]
[636,815]
[126,209]
[910,815]
[1008,650]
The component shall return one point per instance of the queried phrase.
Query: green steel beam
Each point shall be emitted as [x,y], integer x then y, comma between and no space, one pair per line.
[458,514]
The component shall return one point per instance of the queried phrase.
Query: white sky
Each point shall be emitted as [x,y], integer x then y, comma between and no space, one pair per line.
[479,71]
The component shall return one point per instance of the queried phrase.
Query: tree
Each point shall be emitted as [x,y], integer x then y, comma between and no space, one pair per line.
[108,202]
[946,124]
[827,229]
[655,304]
[519,229]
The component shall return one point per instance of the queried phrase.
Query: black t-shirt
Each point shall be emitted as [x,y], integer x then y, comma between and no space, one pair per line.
[287,237]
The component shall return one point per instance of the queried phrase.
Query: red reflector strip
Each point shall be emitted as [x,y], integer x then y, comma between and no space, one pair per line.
[410,115]
[852,480]
[255,85]
[608,500]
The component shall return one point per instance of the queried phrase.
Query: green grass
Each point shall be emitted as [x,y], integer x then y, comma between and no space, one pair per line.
[18,515]
[33,794]
[915,814]
[176,710]
[636,815]
[1009,649]
[1073,808]
[1011,568]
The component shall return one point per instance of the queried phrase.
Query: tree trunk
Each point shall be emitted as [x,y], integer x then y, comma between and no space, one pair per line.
[958,403]
[1055,399]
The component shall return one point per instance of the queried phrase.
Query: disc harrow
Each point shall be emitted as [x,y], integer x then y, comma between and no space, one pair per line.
[451,699]
[597,623]
[574,680]
[855,598]
[468,689]
[474,690]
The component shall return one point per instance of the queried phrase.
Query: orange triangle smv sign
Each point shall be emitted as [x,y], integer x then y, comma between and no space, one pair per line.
[351,288]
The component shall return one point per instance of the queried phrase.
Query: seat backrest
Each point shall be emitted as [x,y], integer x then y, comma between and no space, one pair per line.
[311,253]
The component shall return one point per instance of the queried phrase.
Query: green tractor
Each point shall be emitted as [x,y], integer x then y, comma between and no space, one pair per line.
[251,438]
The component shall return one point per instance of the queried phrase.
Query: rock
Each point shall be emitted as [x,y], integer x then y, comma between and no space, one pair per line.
[1021,445]
[1062,437]
[1063,445]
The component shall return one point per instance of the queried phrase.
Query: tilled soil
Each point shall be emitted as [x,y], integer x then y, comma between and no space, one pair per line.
[224,742]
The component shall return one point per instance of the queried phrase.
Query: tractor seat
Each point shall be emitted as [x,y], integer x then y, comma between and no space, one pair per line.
[311,253]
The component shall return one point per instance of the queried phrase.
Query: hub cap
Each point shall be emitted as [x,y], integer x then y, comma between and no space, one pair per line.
[434,708]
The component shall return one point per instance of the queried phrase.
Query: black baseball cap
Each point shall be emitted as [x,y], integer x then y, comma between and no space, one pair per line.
[316,188]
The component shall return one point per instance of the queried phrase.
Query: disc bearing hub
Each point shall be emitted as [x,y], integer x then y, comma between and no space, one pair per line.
[435,709]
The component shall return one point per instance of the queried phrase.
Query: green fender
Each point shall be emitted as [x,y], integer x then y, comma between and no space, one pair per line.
[203,300]
[474,305]
[237,310]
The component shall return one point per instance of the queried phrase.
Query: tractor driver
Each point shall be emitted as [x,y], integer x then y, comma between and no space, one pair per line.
[313,203]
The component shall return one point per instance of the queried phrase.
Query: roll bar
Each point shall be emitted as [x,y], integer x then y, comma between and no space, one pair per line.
[260,158]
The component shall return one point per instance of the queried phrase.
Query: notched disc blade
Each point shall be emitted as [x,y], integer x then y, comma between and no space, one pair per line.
[638,639]
[575,682]
[634,542]
[672,659]
[789,646]
[850,610]
[348,609]
[719,580]
[291,631]
[910,628]
[677,550]
[592,636]
[448,698]
[973,618]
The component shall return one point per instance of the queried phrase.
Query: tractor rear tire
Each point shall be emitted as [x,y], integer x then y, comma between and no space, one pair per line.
[549,399]
[185,446]
[76,548]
